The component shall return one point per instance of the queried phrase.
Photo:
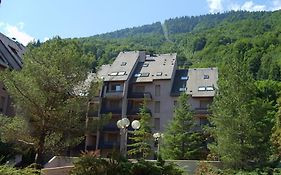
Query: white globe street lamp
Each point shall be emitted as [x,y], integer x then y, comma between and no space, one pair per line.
[157,137]
[123,124]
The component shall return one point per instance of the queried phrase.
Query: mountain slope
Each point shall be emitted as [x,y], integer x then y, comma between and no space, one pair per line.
[202,41]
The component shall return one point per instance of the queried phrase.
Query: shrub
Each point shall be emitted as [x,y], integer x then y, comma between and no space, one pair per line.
[91,164]
[6,170]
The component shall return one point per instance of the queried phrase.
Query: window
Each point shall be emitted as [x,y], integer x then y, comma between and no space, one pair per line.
[113,73]
[175,103]
[157,90]
[145,74]
[145,65]
[139,89]
[2,103]
[114,104]
[201,88]
[121,73]
[204,104]
[206,76]
[184,78]
[159,74]
[116,87]
[157,124]
[13,50]
[157,107]
[123,63]
[209,88]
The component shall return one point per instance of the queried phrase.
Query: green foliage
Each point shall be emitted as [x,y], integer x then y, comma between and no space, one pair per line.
[90,164]
[242,122]
[45,97]
[142,137]
[6,170]
[201,41]
[180,139]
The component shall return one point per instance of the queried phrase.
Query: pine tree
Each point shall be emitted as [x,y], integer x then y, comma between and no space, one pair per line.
[242,125]
[142,137]
[180,139]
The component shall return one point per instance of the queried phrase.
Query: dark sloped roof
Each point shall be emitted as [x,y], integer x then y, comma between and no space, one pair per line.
[11,53]
[179,84]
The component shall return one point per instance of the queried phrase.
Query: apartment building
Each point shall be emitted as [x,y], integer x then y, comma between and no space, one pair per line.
[11,53]
[134,77]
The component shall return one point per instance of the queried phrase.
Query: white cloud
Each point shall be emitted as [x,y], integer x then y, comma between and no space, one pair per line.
[276,4]
[251,6]
[248,6]
[215,5]
[16,31]
[46,39]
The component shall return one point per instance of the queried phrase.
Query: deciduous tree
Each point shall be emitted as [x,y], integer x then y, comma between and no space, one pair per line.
[50,115]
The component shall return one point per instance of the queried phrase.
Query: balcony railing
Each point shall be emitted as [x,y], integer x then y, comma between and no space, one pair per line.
[110,127]
[136,111]
[92,114]
[113,94]
[203,111]
[107,110]
[140,95]
[109,144]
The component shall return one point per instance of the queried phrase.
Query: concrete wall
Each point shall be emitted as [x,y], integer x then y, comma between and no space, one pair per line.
[57,170]
[166,101]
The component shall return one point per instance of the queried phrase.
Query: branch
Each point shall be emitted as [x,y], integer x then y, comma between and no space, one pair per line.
[25,142]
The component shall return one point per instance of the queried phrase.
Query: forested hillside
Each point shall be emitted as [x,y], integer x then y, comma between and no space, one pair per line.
[202,41]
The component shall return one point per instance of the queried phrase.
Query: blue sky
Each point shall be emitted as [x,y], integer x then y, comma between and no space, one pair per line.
[27,20]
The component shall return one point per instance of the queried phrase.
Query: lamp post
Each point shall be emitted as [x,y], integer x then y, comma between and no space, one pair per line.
[157,137]
[123,125]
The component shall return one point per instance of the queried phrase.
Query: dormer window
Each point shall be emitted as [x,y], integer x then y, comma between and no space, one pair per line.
[183,89]
[184,78]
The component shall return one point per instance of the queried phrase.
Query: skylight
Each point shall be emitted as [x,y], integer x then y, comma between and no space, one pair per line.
[137,75]
[206,77]
[145,65]
[201,88]
[113,73]
[209,88]
[159,74]
[121,73]
[145,74]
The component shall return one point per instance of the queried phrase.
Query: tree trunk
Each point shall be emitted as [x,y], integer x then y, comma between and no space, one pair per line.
[39,158]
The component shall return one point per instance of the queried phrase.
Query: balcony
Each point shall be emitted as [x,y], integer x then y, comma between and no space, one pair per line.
[110,127]
[113,94]
[136,111]
[95,100]
[92,114]
[109,144]
[106,110]
[202,111]
[140,95]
